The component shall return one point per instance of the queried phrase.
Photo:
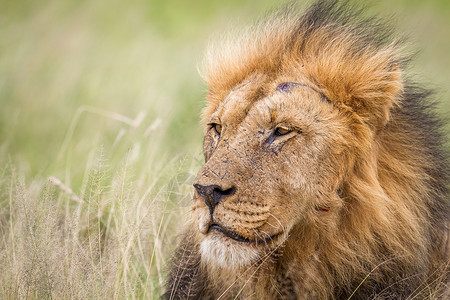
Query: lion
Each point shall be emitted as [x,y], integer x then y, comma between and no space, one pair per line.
[325,174]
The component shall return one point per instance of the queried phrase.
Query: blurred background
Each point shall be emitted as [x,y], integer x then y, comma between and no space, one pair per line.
[104,98]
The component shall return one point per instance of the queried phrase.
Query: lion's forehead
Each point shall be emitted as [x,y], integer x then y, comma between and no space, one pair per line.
[243,107]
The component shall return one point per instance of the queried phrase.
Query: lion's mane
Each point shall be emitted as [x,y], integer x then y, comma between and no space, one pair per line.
[389,237]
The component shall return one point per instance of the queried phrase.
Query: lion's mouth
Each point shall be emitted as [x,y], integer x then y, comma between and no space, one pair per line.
[238,238]
[229,234]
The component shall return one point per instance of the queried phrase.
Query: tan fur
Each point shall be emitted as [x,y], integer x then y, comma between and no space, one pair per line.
[346,198]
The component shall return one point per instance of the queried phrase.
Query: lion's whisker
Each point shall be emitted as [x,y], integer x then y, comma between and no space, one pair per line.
[282,227]
[268,236]
[255,231]
[276,227]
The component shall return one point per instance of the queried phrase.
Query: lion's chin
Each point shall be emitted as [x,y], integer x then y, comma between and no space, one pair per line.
[221,251]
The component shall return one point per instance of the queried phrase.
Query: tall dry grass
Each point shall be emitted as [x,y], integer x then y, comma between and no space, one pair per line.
[110,241]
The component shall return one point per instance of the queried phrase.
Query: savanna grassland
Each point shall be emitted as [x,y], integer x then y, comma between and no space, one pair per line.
[100,137]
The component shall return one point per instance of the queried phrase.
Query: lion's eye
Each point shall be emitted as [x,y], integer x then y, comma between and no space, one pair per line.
[279,131]
[217,128]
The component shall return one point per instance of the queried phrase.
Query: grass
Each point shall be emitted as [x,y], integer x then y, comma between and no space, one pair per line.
[99,134]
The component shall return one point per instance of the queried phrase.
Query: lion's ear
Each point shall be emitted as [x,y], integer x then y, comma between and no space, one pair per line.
[373,90]
[369,83]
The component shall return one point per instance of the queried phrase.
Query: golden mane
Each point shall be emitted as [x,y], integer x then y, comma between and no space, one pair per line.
[394,191]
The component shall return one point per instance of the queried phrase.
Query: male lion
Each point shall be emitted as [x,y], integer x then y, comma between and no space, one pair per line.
[325,176]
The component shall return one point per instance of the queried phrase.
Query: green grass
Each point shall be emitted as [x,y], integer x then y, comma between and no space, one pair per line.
[103,98]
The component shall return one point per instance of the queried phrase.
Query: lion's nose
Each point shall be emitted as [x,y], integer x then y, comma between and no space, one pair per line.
[213,194]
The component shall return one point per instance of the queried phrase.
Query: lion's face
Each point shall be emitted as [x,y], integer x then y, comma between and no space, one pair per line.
[274,159]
